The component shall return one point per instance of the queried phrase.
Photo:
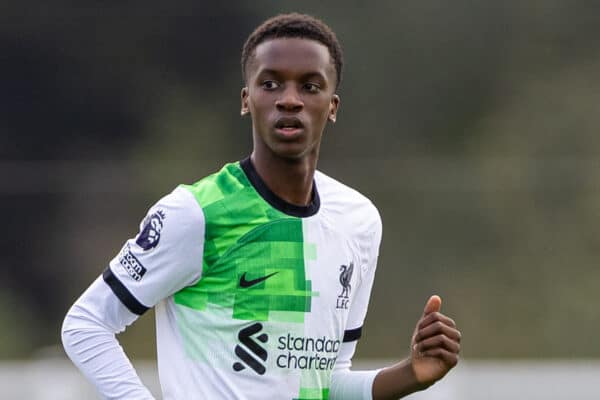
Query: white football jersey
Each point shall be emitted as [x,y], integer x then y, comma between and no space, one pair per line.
[253,295]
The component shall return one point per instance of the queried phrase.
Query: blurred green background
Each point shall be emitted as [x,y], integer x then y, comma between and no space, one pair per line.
[471,125]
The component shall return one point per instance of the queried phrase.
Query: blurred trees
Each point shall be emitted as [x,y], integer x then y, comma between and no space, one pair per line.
[470,125]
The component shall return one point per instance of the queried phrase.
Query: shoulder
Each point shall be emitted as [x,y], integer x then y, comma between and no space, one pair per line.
[191,206]
[180,199]
[173,217]
[346,204]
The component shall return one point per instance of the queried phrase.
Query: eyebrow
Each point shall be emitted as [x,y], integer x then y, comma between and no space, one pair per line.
[308,75]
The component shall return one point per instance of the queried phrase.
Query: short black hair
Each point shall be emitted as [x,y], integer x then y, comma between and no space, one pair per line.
[295,25]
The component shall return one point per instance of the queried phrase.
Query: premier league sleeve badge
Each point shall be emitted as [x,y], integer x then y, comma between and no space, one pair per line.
[150,234]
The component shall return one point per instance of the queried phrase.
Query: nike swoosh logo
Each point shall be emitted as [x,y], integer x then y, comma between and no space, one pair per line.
[244,283]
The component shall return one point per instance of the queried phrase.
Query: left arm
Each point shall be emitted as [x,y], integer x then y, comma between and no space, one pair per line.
[347,384]
[435,346]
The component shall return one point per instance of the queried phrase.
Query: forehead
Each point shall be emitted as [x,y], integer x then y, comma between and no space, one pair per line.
[292,55]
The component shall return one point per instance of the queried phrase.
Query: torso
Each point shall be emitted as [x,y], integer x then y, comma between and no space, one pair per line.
[269,313]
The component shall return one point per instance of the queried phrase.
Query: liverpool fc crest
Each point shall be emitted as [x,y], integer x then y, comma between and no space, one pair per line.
[345,277]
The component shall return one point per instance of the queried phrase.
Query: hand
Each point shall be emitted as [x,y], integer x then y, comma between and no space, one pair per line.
[435,344]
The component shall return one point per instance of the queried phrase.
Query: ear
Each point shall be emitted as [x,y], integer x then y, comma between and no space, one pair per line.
[334,104]
[244,97]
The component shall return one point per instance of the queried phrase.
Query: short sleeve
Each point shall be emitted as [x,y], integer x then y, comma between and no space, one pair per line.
[164,257]
[371,240]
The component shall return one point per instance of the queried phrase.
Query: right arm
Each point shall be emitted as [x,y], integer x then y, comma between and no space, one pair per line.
[88,335]
[163,258]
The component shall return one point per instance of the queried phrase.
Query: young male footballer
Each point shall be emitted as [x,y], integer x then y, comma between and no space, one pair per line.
[260,273]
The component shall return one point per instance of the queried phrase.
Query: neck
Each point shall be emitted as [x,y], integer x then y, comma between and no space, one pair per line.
[290,179]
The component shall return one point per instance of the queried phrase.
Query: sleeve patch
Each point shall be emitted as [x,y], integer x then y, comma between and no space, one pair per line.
[150,234]
[131,264]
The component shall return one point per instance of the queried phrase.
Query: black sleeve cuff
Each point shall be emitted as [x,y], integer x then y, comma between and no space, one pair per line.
[123,293]
[352,334]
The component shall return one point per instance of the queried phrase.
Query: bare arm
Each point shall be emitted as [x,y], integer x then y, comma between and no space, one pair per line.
[435,346]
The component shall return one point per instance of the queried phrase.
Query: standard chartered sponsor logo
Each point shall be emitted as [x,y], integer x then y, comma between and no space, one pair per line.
[303,352]
[245,337]
[292,352]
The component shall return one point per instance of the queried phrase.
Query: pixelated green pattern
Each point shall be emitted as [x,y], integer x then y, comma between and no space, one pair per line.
[313,394]
[244,234]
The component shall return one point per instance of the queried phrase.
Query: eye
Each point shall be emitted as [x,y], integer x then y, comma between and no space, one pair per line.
[312,87]
[270,85]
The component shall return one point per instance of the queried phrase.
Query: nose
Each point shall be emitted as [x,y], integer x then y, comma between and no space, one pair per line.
[289,100]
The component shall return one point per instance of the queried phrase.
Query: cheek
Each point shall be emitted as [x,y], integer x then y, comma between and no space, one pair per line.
[321,111]
[258,105]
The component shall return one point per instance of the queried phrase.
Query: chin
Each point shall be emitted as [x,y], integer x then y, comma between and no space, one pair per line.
[299,156]
[289,151]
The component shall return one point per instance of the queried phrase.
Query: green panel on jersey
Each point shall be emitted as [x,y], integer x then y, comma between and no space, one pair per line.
[247,240]
[231,208]
[313,394]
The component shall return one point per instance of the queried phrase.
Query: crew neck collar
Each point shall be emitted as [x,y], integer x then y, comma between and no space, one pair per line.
[277,202]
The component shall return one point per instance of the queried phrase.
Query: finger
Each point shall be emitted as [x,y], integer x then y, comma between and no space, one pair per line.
[435,317]
[439,341]
[438,328]
[449,358]
[434,304]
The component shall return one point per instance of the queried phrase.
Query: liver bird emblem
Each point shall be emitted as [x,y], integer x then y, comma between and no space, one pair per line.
[345,277]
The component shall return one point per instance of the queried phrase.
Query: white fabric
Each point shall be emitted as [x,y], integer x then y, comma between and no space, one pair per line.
[352,214]
[176,261]
[347,229]
[89,328]
[352,385]
[347,384]
[88,335]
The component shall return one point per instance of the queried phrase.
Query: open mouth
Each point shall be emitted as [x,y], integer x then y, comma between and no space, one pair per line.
[289,125]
